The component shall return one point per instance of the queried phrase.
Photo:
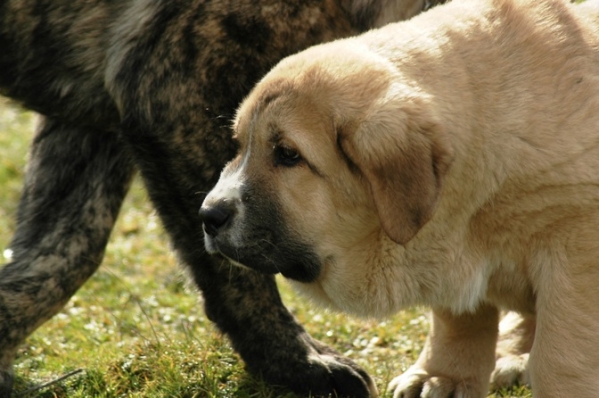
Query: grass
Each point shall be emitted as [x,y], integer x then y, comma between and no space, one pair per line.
[137,329]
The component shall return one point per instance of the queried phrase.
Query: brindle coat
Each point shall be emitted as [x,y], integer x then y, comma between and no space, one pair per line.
[150,85]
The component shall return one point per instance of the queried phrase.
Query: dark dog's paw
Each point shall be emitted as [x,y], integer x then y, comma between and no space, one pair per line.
[6,381]
[339,375]
[320,372]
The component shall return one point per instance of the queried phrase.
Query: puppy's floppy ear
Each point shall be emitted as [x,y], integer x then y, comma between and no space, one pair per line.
[404,154]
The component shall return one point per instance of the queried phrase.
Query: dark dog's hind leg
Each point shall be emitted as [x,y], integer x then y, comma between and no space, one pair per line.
[75,183]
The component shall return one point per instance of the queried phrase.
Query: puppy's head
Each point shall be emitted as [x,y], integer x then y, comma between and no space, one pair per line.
[334,149]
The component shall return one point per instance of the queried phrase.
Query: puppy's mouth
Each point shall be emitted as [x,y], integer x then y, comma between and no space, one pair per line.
[292,260]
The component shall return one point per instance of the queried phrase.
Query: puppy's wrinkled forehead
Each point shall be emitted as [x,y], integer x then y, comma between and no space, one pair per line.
[284,112]
[252,112]
[309,98]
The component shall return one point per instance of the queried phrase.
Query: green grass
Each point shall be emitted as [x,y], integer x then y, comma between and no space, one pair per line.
[137,329]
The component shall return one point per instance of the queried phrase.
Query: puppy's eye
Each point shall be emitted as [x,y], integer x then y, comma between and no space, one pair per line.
[286,156]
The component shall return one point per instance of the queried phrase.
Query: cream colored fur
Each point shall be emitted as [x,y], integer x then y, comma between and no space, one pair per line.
[450,161]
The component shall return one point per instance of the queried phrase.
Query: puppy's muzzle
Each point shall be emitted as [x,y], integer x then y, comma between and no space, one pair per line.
[217,216]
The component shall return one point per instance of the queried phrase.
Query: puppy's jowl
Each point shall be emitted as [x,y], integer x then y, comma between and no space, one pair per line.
[450,161]
[150,85]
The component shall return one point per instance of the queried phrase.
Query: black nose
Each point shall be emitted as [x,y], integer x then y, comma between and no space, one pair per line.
[215,217]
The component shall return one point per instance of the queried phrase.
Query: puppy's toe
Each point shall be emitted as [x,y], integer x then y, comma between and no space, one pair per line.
[419,384]
[408,385]
[510,370]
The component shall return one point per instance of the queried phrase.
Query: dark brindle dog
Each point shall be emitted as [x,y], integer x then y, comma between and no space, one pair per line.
[143,84]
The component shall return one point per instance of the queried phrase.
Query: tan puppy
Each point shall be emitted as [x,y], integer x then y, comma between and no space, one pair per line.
[449,161]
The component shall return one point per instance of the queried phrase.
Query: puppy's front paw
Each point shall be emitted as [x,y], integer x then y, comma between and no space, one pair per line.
[510,370]
[416,383]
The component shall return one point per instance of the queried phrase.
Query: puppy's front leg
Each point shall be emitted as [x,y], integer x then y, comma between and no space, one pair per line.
[458,357]
[516,336]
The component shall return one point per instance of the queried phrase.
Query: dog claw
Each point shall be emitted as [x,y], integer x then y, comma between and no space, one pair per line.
[328,374]
[349,380]
[419,384]
[340,378]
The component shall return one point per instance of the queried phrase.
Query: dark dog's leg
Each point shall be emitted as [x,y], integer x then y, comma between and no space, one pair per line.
[179,166]
[244,304]
[177,81]
[74,187]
